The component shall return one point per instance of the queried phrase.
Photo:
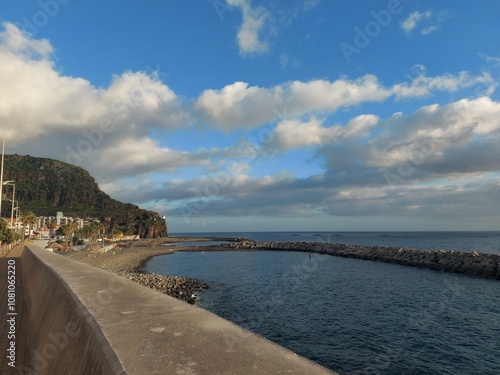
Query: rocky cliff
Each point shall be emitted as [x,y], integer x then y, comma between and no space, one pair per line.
[47,185]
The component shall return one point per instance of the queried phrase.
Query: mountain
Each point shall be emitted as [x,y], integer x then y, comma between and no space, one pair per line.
[46,186]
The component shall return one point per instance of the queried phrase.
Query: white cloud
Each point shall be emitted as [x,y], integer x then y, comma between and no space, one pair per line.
[358,194]
[240,106]
[13,40]
[284,60]
[143,98]
[135,156]
[311,4]
[490,59]
[429,30]
[423,85]
[294,133]
[425,22]
[410,23]
[256,21]
[36,100]
[322,95]
[261,23]
[461,137]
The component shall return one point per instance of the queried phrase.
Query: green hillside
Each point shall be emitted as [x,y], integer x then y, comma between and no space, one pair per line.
[46,186]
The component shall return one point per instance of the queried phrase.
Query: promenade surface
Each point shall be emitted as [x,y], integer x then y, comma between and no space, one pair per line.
[22,346]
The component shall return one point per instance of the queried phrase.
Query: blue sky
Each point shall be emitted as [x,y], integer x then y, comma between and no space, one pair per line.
[244,115]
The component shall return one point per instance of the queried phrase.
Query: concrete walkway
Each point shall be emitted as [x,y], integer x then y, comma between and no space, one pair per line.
[22,345]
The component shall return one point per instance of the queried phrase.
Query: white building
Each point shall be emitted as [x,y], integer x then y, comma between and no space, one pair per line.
[15,224]
[60,219]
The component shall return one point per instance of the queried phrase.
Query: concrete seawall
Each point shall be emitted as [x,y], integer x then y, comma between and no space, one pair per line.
[64,336]
[85,320]
[472,264]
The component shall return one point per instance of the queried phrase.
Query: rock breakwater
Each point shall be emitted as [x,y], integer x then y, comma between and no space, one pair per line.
[472,264]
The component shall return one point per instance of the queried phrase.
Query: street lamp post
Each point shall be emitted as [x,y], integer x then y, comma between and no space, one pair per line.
[17,220]
[1,175]
[12,208]
[17,209]
[12,183]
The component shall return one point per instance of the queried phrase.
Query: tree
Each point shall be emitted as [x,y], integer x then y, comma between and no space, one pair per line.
[95,229]
[114,233]
[69,229]
[102,228]
[17,236]
[29,219]
[7,235]
[72,228]
[65,231]
[86,231]
[51,226]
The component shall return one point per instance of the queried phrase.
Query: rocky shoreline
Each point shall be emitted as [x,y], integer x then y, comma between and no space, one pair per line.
[471,264]
[129,258]
[183,288]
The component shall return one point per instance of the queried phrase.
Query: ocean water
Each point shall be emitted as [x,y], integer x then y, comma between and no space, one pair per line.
[352,316]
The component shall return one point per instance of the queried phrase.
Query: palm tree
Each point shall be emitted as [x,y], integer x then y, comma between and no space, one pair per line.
[72,228]
[51,226]
[102,229]
[69,229]
[86,231]
[65,230]
[29,219]
[94,229]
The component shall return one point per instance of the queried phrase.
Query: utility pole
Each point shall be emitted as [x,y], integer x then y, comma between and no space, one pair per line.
[1,176]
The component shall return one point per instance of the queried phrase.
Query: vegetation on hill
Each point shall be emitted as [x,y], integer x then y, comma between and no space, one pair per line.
[46,186]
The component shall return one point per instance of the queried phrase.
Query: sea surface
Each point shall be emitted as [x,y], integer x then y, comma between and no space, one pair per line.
[355,316]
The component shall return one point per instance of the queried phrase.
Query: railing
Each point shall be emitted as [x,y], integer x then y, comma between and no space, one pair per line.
[6,248]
